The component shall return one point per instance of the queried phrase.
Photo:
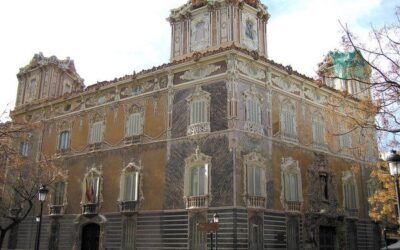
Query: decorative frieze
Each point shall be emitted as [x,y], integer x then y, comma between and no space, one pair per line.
[251,70]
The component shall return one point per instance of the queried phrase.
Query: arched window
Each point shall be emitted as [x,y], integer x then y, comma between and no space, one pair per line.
[350,200]
[199,112]
[318,126]
[63,140]
[197,183]
[288,121]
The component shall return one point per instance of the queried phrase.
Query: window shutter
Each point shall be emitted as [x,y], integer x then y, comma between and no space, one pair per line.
[136,186]
[250,180]
[287,186]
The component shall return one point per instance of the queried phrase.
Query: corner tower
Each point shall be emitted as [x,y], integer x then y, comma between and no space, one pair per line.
[47,78]
[202,25]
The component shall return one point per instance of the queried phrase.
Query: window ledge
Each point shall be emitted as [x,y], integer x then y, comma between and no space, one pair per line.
[290,137]
[198,128]
[321,146]
[196,202]
[56,210]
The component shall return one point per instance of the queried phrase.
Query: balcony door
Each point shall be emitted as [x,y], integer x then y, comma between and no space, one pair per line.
[90,237]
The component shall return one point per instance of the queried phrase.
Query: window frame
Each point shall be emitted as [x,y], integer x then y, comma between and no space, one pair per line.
[201,125]
[93,173]
[99,134]
[349,184]
[66,145]
[195,160]
[129,131]
[319,130]
[255,160]
[290,167]
[131,169]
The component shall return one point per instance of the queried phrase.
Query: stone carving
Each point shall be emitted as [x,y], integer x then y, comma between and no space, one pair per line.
[200,72]
[251,70]
[285,85]
[249,32]
[200,32]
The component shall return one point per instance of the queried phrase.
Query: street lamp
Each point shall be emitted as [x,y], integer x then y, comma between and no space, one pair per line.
[42,197]
[216,220]
[394,166]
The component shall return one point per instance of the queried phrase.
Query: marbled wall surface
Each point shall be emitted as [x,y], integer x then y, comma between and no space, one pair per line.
[218,116]
[221,171]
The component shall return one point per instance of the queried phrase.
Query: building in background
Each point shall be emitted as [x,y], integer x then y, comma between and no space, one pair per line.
[220,129]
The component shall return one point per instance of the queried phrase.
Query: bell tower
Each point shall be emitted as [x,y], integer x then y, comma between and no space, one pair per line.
[201,25]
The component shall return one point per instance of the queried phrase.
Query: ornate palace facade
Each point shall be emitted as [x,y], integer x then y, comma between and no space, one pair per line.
[220,129]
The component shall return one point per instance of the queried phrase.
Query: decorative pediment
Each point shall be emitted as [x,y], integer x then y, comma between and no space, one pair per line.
[255,158]
[252,92]
[287,162]
[132,167]
[200,72]
[199,93]
[197,157]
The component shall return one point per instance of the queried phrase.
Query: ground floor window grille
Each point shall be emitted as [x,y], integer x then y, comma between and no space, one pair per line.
[292,230]
[129,232]
[197,239]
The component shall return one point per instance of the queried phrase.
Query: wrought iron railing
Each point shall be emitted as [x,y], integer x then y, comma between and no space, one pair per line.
[128,206]
[193,202]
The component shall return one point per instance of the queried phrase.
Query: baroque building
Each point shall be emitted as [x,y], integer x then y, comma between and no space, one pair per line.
[220,129]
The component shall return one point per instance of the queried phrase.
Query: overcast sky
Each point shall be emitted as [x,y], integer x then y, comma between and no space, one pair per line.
[109,39]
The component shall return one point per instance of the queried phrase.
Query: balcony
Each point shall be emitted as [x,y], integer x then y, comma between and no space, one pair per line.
[56,210]
[293,206]
[198,128]
[132,139]
[254,128]
[351,212]
[95,146]
[90,209]
[255,201]
[196,202]
[128,207]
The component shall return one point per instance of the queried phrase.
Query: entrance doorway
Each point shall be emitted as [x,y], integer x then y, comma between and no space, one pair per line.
[90,237]
[327,238]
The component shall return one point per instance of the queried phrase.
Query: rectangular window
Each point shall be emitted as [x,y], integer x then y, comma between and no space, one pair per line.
[291,187]
[63,142]
[24,148]
[198,112]
[319,132]
[253,113]
[345,138]
[254,181]
[199,181]
[288,122]
[130,186]
[92,189]
[59,190]
[96,132]
[134,124]
[350,196]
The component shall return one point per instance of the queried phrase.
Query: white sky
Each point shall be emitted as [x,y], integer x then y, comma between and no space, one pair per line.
[109,39]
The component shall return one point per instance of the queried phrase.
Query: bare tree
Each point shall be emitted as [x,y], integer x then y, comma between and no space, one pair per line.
[20,176]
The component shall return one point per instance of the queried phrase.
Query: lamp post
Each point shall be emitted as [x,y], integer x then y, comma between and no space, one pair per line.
[394,166]
[42,197]
[216,220]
